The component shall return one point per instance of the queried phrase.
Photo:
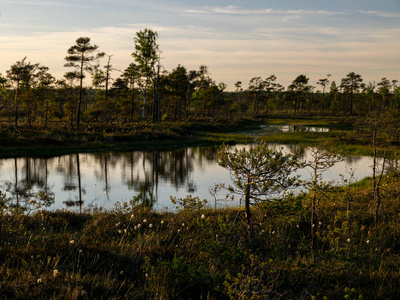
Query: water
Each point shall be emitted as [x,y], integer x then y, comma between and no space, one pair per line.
[271,129]
[105,178]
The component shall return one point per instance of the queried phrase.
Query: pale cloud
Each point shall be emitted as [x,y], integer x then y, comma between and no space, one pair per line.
[381,13]
[236,10]
[232,60]
[229,60]
[39,3]
[285,49]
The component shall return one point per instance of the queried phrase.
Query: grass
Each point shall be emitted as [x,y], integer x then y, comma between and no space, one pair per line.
[59,140]
[322,121]
[171,135]
[340,135]
[199,253]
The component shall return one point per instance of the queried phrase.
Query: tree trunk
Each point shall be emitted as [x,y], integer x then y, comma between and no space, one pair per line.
[247,208]
[78,117]
[108,67]
[132,101]
[377,190]
[16,181]
[79,183]
[313,208]
[156,103]
[375,186]
[16,106]
[144,108]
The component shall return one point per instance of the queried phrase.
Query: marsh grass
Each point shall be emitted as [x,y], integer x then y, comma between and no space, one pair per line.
[341,139]
[340,122]
[199,253]
[60,139]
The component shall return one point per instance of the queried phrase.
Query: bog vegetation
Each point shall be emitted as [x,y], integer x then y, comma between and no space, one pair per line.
[201,253]
[323,243]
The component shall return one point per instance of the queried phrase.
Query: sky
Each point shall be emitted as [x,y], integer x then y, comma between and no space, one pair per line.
[237,40]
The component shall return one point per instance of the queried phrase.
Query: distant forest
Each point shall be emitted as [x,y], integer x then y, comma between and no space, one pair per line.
[31,97]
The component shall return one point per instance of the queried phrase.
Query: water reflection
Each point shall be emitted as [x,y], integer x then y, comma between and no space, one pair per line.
[146,177]
[272,129]
[294,128]
[28,181]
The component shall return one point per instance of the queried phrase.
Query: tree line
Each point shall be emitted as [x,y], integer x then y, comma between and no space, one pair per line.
[31,96]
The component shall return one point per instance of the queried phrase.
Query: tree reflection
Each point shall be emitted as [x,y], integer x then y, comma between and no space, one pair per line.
[69,185]
[143,172]
[140,176]
[140,171]
[30,189]
[145,196]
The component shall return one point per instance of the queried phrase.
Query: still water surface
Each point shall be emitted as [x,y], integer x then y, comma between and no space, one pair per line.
[105,178]
[269,129]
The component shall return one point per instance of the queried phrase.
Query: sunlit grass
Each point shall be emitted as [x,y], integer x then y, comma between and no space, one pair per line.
[310,121]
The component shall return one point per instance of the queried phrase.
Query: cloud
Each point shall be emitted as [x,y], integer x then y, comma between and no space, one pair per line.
[39,3]
[231,60]
[285,52]
[236,10]
[381,13]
